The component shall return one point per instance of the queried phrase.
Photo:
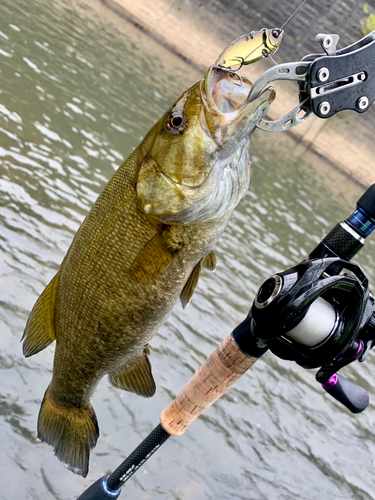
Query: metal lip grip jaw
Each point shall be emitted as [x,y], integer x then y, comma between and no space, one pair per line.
[328,83]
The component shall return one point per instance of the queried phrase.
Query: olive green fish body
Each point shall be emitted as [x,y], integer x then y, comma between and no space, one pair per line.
[111,311]
[141,247]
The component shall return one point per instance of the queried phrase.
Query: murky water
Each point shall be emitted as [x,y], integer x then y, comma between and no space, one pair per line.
[79,88]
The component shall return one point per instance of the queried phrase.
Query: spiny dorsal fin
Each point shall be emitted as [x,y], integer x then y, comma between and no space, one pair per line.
[190,285]
[40,327]
[209,262]
[135,377]
[157,255]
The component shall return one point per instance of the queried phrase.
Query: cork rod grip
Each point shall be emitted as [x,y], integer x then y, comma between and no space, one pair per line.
[219,372]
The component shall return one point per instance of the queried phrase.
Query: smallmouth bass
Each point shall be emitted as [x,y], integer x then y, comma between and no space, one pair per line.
[139,250]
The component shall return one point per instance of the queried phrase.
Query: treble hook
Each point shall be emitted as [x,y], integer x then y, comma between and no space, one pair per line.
[233,74]
[241,63]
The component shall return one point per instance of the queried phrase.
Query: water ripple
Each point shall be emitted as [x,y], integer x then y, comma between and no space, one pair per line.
[77,94]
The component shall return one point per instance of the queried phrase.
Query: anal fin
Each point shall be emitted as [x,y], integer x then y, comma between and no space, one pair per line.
[135,377]
[40,328]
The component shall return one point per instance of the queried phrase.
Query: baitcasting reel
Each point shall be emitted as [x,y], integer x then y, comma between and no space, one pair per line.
[320,313]
[306,315]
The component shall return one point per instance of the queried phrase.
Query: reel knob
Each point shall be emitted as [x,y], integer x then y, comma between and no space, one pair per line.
[349,394]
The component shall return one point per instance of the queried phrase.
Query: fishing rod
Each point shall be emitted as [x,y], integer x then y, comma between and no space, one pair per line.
[319,313]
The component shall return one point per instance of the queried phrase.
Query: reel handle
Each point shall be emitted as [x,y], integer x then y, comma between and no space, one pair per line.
[349,394]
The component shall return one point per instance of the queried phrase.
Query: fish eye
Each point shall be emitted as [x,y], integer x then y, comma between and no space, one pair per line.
[176,122]
[276,33]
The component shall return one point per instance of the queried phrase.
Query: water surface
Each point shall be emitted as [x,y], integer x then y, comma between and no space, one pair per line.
[79,88]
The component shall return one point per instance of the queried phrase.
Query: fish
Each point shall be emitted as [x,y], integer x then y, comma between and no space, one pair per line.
[140,249]
[250,48]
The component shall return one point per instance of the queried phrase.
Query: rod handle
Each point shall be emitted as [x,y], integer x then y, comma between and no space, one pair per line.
[219,372]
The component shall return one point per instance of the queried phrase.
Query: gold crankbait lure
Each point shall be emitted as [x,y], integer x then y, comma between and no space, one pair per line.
[250,48]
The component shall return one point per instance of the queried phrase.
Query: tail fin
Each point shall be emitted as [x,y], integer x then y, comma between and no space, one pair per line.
[40,327]
[73,432]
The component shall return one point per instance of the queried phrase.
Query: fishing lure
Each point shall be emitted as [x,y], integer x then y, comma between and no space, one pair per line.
[250,48]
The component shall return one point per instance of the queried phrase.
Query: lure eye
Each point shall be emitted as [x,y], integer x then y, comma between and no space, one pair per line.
[276,33]
[176,122]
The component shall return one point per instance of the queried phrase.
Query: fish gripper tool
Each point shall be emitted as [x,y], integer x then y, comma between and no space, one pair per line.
[328,82]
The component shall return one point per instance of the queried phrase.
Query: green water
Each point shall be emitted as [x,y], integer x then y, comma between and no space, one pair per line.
[79,88]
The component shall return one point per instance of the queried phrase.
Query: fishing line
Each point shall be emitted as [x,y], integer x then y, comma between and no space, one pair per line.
[287,21]
[316,326]
[273,60]
[281,28]
[294,13]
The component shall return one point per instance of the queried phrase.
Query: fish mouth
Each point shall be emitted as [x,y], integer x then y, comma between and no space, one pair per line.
[225,91]
[229,111]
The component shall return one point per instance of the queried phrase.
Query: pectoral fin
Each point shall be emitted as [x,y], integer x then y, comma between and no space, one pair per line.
[209,262]
[190,285]
[40,327]
[157,255]
[135,377]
